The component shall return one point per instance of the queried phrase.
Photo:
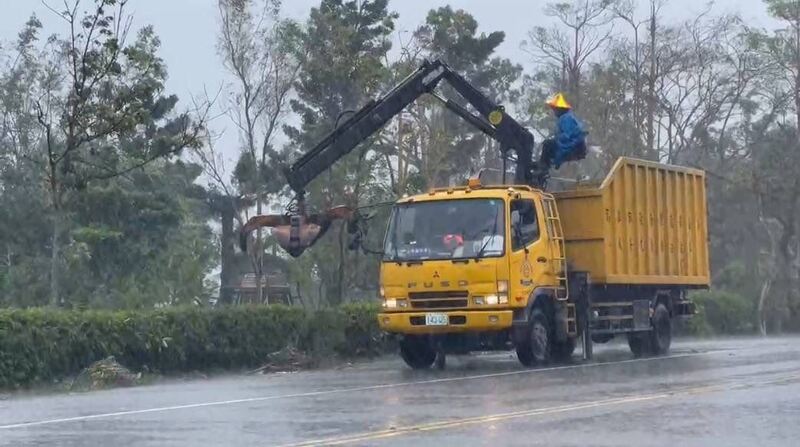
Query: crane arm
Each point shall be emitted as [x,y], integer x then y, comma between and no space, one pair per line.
[374,115]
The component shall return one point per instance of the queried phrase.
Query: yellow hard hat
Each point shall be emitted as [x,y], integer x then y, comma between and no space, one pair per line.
[559,101]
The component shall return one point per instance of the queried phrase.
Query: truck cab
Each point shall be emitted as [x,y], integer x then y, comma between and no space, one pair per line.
[464,268]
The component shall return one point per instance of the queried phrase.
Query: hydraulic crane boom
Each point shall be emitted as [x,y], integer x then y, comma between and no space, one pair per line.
[372,117]
[297,231]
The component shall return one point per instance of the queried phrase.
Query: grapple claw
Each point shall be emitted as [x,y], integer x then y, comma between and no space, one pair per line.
[295,232]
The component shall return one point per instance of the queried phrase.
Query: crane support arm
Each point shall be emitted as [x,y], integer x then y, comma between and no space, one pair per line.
[375,114]
[365,122]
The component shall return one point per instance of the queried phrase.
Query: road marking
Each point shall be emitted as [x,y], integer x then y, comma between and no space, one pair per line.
[336,391]
[458,423]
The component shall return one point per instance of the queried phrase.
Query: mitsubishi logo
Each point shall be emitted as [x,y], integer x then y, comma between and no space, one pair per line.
[435,274]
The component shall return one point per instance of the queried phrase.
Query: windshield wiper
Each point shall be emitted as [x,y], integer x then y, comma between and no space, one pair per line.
[480,253]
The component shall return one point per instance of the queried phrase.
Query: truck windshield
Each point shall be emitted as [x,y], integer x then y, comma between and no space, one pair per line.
[447,229]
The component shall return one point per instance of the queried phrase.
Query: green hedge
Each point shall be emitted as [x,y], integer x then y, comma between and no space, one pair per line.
[38,345]
[723,312]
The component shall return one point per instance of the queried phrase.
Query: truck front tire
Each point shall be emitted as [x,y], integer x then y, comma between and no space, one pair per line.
[639,344]
[563,351]
[534,348]
[417,351]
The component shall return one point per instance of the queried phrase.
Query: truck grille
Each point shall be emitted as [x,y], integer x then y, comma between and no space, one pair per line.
[439,300]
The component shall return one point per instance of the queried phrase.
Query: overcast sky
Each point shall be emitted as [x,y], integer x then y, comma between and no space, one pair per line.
[187,30]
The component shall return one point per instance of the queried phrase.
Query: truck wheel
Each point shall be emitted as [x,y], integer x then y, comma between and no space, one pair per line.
[661,335]
[417,352]
[562,351]
[602,338]
[639,344]
[534,348]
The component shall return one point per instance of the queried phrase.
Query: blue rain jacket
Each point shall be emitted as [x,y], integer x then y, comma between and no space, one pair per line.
[569,136]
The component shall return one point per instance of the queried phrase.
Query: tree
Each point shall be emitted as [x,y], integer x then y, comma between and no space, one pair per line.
[784,47]
[139,240]
[568,50]
[23,231]
[774,137]
[94,90]
[640,61]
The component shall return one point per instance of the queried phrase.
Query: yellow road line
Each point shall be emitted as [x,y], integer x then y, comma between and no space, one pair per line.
[458,423]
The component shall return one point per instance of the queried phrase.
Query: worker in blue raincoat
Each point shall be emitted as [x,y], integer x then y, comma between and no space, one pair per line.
[569,142]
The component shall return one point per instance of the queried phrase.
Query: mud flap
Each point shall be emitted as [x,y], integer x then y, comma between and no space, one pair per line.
[641,315]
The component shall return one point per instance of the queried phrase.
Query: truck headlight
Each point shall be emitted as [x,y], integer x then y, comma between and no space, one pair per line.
[394,303]
[491,300]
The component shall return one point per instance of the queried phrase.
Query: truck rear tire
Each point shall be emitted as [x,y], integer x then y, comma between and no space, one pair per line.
[661,335]
[534,348]
[639,344]
[417,352]
[657,340]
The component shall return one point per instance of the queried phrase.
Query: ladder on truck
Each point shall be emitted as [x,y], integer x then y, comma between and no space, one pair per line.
[558,259]
[558,254]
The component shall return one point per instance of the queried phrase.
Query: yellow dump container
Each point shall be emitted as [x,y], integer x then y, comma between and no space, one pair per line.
[645,224]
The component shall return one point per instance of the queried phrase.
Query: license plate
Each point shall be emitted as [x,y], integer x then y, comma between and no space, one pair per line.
[436,319]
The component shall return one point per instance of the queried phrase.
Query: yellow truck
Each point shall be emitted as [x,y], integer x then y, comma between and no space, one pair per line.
[490,267]
[512,265]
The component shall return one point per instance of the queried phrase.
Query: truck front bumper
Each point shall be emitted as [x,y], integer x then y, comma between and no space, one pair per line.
[458,321]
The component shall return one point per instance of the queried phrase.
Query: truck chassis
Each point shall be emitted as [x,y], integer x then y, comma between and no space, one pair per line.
[551,327]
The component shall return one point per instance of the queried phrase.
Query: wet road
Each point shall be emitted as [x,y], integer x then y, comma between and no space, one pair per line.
[733,392]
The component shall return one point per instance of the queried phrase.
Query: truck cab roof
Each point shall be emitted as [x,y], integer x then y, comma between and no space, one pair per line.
[470,191]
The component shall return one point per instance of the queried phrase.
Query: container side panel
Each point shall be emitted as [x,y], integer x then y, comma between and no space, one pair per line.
[652,260]
[687,228]
[680,202]
[641,219]
[646,224]
[579,217]
[673,236]
[619,235]
[582,256]
[627,205]
[704,230]
[697,208]
[685,233]
[690,264]
[661,219]
[633,192]
[669,197]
